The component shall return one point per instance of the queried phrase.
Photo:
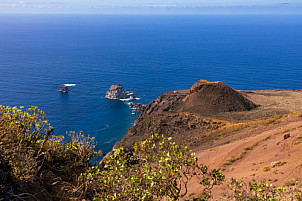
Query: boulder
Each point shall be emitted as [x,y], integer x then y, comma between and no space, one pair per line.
[116,92]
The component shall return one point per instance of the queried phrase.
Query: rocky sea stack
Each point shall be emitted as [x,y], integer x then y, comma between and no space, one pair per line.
[116,92]
[63,88]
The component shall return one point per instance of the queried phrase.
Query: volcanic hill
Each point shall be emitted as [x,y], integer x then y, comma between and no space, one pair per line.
[204,97]
[184,114]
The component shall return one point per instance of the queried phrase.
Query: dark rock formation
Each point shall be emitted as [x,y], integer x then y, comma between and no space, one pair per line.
[63,88]
[137,107]
[286,136]
[116,92]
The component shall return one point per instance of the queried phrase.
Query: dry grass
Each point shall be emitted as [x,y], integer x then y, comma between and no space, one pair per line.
[289,130]
[234,159]
[273,120]
[266,168]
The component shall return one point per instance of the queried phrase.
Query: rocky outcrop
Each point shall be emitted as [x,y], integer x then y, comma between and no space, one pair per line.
[63,88]
[116,92]
[136,107]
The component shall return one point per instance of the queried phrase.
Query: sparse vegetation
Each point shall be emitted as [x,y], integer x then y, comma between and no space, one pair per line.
[266,168]
[264,146]
[298,139]
[251,147]
[289,130]
[234,159]
[273,120]
[252,127]
[240,155]
[262,191]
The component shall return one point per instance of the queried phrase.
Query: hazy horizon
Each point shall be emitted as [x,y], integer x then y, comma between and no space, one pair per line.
[151,7]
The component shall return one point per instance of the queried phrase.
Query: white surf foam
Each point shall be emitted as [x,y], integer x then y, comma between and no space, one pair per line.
[125,99]
[70,85]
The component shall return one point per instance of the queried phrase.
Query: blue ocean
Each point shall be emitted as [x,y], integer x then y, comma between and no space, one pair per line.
[146,54]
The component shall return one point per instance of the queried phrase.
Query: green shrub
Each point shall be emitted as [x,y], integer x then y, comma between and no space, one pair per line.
[157,169]
[28,151]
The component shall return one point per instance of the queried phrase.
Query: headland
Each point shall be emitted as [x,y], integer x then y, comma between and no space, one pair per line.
[220,123]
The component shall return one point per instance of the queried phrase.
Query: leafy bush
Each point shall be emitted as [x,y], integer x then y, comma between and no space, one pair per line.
[28,151]
[157,169]
[22,135]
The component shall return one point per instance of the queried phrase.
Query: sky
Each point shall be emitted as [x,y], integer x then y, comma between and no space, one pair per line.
[150,6]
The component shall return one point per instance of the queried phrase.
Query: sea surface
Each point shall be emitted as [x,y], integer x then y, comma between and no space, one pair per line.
[146,54]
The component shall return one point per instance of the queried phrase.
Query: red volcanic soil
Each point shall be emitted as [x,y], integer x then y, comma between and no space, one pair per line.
[265,155]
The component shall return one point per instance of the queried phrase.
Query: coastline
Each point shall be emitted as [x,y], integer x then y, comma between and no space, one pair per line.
[271,102]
